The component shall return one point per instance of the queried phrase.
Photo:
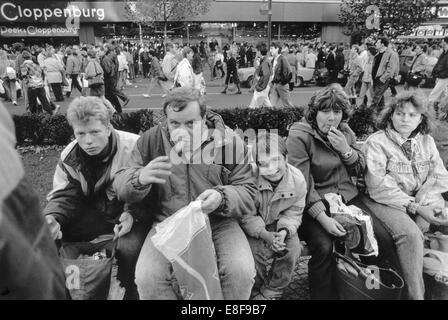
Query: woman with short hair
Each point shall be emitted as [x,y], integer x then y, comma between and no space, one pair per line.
[406,177]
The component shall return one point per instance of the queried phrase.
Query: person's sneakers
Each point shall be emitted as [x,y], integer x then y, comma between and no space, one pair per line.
[56,110]
[224,92]
[14,103]
[147,96]
[238,92]
[164,95]
[126,102]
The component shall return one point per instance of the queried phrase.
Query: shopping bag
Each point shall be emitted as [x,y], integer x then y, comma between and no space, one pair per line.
[88,268]
[360,238]
[185,239]
[68,87]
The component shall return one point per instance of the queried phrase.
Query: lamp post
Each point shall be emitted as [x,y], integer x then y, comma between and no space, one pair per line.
[188,34]
[269,22]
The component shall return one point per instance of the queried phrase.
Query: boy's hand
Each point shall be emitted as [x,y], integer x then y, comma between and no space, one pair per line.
[269,237]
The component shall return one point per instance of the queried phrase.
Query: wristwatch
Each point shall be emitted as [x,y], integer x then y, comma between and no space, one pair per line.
[348,154]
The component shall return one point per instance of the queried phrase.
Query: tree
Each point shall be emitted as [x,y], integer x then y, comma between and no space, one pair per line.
[150,12]
[396,17]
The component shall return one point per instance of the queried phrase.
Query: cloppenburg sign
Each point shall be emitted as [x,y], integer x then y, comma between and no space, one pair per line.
[36,11]
[37,31]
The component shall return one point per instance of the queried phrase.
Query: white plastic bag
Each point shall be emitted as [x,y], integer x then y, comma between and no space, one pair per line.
[185,240]
[339,210]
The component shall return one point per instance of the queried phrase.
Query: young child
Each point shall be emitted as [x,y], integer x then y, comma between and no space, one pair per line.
[272,233]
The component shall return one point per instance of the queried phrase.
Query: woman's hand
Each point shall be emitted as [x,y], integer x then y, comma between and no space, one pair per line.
[338,141]
[331,225]
[431,215]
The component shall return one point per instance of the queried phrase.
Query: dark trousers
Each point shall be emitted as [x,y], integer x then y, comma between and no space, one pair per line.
[221,68]
[146,67]
[379,88]
[322,266]
[34,94]
[75,83]
[91,224]
[111,93]
[57,90]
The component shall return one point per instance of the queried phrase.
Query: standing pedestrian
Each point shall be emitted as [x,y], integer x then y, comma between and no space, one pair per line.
[232,73]
[156,75]
[281,77]
[110,88]
[440,73]
[73,69]
[54,71]
[95,75]
[383,70]
[263,72]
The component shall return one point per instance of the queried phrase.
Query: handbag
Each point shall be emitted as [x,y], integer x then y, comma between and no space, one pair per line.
[414,79]
[358,281]
[88,271]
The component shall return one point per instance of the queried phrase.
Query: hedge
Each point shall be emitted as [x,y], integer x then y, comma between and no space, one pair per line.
[43,129]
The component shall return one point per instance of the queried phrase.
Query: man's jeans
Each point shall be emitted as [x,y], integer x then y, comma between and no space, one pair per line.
[379,88]
[408,241]
[281,268]
[156,280]
[280,93]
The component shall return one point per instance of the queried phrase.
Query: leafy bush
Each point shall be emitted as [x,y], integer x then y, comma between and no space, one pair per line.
[262,118]
[43,129]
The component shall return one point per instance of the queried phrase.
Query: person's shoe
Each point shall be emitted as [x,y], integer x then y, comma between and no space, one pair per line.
[147,96]
[14,103]
[56,110]
[224,92]
[164,95]
[238,92]
[126,102]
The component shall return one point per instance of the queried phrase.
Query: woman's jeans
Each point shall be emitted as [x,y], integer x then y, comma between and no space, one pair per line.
[271,284]
[409,241]
[155,278]
[322,265]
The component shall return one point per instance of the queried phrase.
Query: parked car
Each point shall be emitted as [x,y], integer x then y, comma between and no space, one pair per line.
[304,76]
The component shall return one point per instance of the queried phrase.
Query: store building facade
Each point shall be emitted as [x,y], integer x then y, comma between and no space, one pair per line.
[239,20]
[227,20]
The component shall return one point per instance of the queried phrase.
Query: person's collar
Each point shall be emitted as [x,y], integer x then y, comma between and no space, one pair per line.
[285,184]
[398,138]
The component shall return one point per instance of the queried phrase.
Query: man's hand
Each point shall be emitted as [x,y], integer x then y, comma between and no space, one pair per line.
[125,225]
[211,199]
[338,141]
[432,215]
[331,225]
[156,171]
[55,227]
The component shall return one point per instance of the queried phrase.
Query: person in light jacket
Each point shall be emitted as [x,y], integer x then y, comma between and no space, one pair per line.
[418,66]
[272,231]
[54,71]
[184,76]
[406,177]
[94,71]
